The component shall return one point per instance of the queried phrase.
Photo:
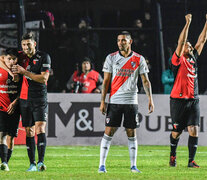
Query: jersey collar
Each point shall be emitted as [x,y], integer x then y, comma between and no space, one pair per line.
[127,56]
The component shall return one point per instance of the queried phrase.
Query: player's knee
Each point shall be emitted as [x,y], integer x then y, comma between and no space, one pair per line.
[176,135]
[3,138]
[30,131]
[193,131]
[40,129]
[131,132]
[109,131]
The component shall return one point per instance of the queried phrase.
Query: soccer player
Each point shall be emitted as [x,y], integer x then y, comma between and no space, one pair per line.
[184,101]
[9,109]
[33,98]
[121,70]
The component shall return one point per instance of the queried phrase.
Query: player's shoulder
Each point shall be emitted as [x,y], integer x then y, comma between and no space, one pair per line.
[137,55]
[42,54]
[114,53]
[112,56]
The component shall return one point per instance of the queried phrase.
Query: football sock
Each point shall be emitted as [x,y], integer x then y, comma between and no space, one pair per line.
[173,145]
[3,153]
[9,153]
[104,149]
[132,145]
[192,147]
[41,146]
[30,143]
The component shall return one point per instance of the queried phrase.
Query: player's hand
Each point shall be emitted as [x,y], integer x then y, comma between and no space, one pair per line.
[103,107]
[17,69]
[11,108]
[188,18]
[151,106]
[15,78]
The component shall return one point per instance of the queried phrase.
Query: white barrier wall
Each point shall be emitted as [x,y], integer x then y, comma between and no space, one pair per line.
[75,119]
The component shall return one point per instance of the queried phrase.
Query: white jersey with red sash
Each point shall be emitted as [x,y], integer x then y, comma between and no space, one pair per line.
[125,72]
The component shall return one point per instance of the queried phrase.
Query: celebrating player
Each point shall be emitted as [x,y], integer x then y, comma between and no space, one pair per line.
[33,98]
[184,101]
[9,109]
[121,70]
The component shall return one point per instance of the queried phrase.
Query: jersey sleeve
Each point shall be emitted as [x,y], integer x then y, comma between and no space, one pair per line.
[143,66]
[46,63]
[107,67]
[175,60]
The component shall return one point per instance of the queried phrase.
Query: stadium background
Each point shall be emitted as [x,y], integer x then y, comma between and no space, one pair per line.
[57,28]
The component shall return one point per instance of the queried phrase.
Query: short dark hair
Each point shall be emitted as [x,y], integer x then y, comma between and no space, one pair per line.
[28,35]
[11,51]
[86,59]
[128,35]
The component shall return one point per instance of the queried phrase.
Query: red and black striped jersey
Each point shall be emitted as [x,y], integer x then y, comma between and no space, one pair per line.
[186,79]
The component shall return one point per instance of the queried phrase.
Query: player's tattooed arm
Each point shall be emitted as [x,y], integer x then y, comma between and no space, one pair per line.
[202,39]
[105,87]
[148,89]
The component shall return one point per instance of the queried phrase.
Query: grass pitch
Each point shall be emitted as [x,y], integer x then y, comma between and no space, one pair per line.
[81,162]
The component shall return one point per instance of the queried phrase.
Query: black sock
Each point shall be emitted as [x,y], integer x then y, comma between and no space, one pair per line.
[9,153]
[41,146]
[30,143]
[192,147]
[173,145]
[3,152]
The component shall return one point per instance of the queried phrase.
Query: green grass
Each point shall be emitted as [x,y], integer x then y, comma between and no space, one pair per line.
[81,162]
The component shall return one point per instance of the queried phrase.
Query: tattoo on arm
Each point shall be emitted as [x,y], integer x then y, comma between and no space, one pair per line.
[103,94]
[147,85]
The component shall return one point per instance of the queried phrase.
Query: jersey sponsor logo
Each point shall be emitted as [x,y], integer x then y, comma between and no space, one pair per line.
[7,92]
[0,75]
[8,86]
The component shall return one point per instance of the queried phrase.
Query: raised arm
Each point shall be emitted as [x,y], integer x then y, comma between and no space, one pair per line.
[202,39]
[183,36]
[148,90]
[105,87]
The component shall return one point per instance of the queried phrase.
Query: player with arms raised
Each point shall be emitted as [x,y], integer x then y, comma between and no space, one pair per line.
[184,101]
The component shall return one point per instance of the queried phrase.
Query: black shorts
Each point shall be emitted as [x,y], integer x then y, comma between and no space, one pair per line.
[10,123]
[184,112]
[115,113]
[33,111]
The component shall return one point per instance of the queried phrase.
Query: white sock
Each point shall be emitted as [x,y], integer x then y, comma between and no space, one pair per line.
[104,149]
[132,144]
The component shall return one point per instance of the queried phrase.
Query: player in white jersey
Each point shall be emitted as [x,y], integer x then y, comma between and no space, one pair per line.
[121,70]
